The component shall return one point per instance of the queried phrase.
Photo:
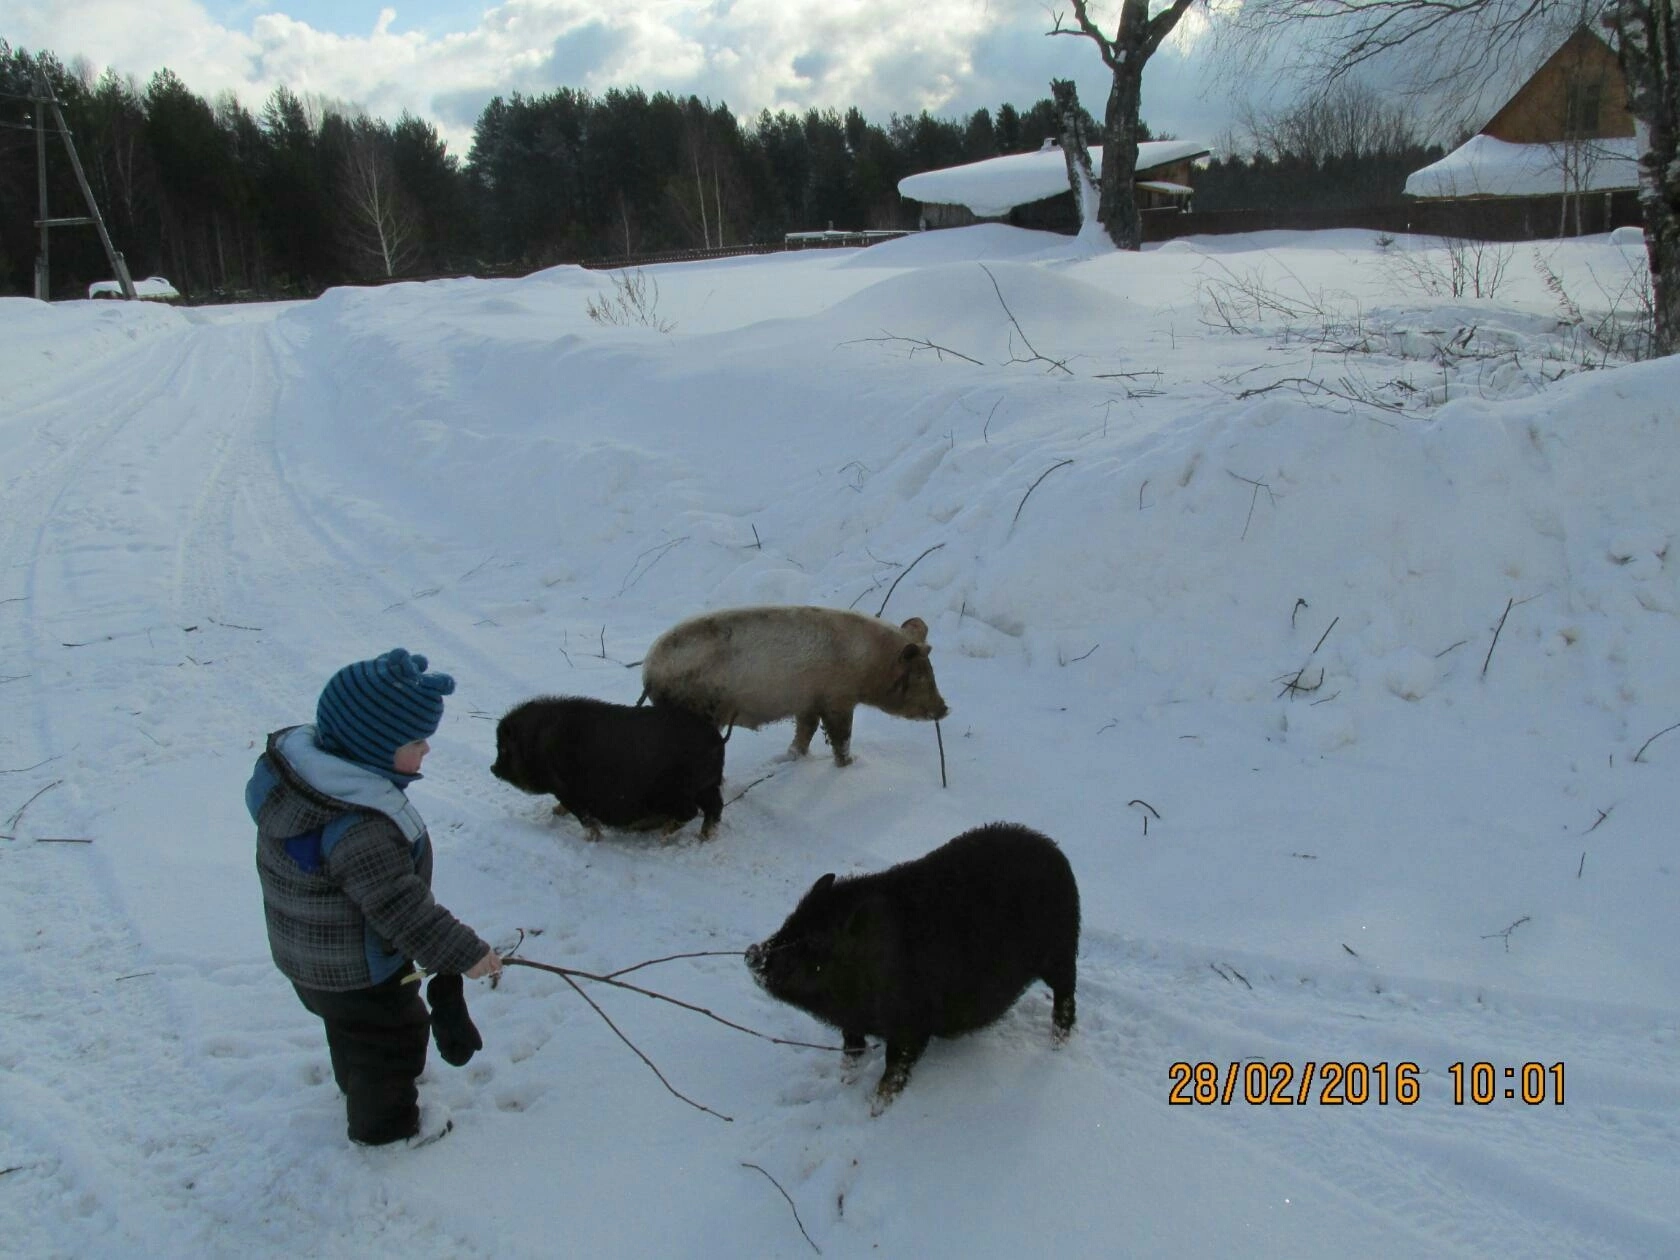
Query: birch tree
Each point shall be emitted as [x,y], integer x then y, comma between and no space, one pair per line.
[383,230]
[1135,40]
[1649,48]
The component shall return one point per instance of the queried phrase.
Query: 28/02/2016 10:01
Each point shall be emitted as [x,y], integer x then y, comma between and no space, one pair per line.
[1341,1082]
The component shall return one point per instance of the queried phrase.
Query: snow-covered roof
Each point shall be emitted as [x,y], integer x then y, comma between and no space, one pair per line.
[997,185]
[150,287]
[1485,167]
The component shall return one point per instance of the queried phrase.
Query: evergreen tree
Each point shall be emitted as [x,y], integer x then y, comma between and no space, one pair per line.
[293,189]
[433,180]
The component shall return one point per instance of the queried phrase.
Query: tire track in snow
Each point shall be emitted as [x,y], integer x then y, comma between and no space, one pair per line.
[72,433]
[366,580]
[116,530]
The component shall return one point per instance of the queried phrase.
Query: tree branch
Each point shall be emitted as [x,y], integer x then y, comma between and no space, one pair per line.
[1089,30]
[791,1207]
[1037,357]
[900,577]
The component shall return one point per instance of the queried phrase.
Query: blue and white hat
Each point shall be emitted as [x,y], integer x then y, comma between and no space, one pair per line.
[372,708]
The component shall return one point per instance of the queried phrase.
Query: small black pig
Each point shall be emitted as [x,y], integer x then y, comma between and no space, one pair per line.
[614,764]
[934,947]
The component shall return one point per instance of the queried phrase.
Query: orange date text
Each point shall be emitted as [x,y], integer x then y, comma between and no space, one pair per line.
[1327,1083]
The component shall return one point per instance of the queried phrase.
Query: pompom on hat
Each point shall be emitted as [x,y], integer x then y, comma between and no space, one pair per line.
[370,709]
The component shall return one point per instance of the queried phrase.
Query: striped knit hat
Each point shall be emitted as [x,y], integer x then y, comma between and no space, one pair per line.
[372,708]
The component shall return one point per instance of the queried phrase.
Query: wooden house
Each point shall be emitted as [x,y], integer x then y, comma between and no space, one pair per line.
[1579,93]
[1563,142]
[1031,189]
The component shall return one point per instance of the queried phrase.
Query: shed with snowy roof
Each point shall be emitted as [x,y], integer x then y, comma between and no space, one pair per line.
[1031,189]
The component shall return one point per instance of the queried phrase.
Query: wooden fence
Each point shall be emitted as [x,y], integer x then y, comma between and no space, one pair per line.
[1479,219]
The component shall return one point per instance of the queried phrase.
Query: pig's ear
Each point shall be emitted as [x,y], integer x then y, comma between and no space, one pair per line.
[916,628]
[822,885]
[911,651]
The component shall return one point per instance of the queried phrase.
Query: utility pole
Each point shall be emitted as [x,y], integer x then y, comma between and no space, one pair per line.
[41,178]
[42,101]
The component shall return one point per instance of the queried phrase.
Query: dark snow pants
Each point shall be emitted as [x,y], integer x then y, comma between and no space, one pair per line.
[377,1039]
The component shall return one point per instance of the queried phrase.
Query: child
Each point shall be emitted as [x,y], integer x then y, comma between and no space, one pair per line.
[346,870]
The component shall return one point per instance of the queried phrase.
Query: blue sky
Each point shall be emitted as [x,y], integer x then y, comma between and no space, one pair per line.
[339,18]
[443,59]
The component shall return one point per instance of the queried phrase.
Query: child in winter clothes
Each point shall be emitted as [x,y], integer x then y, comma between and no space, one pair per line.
[346,871]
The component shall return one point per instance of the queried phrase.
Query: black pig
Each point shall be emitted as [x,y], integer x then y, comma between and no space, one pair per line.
[934,947]
[614,764]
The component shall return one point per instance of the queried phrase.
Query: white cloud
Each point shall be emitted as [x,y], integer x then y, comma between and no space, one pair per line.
[949,57]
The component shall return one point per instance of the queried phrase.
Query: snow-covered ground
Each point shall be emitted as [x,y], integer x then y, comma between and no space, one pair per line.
[1324,618]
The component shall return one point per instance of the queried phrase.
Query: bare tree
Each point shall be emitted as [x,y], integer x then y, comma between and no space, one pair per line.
[1134,42]
[1348,120]
[1453,57]
[1453,50]
[384,231]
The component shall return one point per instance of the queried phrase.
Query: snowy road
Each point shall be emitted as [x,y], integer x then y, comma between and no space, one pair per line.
[206,512]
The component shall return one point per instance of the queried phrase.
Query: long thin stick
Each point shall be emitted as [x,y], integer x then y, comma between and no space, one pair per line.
[761,778]
[1034,486]
[789,1199]
[1037,357]
[1496,630]
[36,766]
[1506,934]
[918,343]
[1665,730]
[900,577]
[12,822]
[699,953]
[569,972]
[637,1050]
[943,781]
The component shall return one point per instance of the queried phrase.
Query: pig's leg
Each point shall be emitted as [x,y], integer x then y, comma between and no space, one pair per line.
[591,827]
[901,1057]
[838,725]
[805,727]
[1060,978]
[711,805]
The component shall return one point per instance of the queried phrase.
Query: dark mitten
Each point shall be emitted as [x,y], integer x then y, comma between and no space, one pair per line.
[452,1027]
